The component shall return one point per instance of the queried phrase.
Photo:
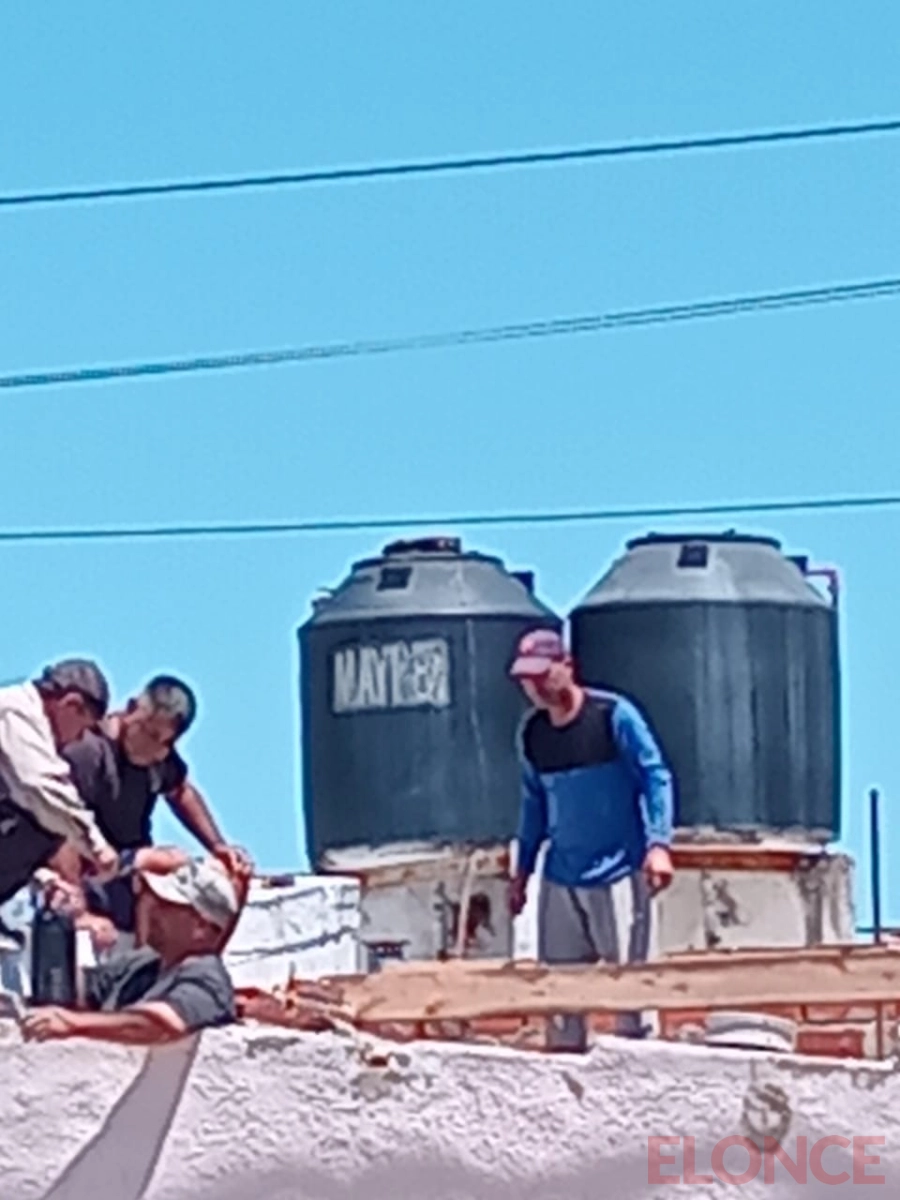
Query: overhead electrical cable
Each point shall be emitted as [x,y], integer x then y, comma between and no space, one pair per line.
[451,165]
[448,520]
[874,289]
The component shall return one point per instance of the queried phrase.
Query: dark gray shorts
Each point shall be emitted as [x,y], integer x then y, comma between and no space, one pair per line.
[589,925]
[600,924]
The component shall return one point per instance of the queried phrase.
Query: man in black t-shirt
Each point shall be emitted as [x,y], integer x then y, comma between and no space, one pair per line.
[123,769]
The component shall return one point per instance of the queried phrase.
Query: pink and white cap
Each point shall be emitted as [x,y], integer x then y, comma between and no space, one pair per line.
[536,654]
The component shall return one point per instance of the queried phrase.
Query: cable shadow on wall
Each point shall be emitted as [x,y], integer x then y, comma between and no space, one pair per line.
[119,1161]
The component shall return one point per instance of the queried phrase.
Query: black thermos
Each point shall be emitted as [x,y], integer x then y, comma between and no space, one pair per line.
[53,960]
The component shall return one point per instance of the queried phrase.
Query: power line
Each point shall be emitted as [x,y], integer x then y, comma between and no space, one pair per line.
[557,327]
[464,520]
[448,166]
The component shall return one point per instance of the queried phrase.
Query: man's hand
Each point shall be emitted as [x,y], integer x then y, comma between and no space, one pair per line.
[517,894]
[160,860]
[48,1024]
[64,897]
[236,861]
[104,934]
[658,869]
[106,863]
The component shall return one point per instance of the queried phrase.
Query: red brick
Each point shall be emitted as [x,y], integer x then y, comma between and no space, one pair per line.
[444,1031]
[831,1043]
[673,1020]
[495,1026]
[830,1014]
[602,1022]
[521,1032]
[787,1012]
[395,1031]
[532,1035]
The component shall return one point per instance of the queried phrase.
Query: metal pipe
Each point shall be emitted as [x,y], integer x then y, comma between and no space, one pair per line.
[465,900]
[875,861]
[832,578]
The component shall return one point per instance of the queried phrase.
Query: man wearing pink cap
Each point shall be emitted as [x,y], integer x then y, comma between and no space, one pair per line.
[597,789]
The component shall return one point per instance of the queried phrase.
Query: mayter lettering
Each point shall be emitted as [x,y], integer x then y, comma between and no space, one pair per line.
[399,675]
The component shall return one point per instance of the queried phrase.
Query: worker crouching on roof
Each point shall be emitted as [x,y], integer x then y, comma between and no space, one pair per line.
[175,982]
[596,787]
[39,803]
[123,767]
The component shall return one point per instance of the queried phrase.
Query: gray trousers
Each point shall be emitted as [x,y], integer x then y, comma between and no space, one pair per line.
[589,925]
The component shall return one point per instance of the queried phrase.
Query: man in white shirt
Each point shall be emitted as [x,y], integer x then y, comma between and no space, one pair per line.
[38,799]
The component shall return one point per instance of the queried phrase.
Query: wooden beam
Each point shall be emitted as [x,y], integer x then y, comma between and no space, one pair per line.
[462,990]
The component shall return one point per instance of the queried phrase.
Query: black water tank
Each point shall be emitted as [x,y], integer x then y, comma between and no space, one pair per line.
[733,656]
[409,716]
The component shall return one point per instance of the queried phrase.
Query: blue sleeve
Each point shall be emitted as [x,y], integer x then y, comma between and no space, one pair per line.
[533,816]
[641,751]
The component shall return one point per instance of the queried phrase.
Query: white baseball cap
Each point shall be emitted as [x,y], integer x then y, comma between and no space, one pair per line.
[203,886]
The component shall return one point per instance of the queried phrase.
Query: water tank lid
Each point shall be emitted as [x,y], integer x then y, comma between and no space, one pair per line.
[431,545]
[730,537]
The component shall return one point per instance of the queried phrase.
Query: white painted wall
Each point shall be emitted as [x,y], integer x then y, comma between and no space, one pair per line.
[420,914]
[263,1113]
[320,924]
[310,928]
[735,909]
[720,909]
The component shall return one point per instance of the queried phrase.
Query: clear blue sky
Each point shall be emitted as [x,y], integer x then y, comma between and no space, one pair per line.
[765,406]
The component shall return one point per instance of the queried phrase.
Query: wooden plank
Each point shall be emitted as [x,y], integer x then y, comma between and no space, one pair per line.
[466,990]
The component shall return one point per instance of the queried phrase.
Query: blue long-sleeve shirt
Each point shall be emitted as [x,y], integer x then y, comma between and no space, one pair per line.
[598,789]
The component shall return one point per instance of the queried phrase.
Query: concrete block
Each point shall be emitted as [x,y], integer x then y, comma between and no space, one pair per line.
[308,928]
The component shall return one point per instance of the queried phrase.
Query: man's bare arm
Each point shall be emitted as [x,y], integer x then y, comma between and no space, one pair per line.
[192,810]
[190,807]
[143,1025]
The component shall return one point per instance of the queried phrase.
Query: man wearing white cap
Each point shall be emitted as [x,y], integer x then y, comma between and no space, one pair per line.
[175,983]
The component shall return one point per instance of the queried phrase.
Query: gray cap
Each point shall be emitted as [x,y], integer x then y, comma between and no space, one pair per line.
[77,675]
[203,886]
